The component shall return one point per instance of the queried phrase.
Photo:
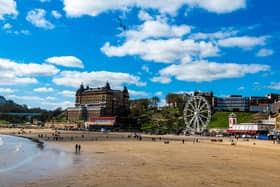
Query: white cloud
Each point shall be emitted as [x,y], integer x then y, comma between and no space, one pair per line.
[8,7]
[37,18]
[18,32]
[20,69]
[146,69]
[156,29]
[213,36]
[245,42]
[265,52]
[6,90]
[67,61]
[219,6]
[56,14]
[67,93]
[137,93]
[48,102]
[158,93]
[144,16]
[43,89]
[25,98]
[7,26]
[74,8]
[16,80]
[62,104]
[96,78]
[161,79]
[201,71]
[241,88]
[12,73]
[163,51]
[274,85]
[155,40]
[25,32]
[50,98]
[44,1]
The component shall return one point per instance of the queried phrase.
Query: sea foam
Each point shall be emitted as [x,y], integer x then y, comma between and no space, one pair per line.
[18,147]
[1,141]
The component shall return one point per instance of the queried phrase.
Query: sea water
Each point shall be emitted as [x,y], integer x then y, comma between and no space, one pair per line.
[22,160]
[15,152]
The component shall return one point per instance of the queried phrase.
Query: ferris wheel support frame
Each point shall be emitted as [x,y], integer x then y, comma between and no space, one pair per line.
[197,114]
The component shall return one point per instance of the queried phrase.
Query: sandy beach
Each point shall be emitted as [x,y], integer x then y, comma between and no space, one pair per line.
[147,163]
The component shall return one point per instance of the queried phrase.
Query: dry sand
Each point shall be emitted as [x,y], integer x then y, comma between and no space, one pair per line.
[147,163]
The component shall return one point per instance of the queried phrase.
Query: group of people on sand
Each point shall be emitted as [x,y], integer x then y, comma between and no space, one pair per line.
[138,137]
[195,140]
[77,148]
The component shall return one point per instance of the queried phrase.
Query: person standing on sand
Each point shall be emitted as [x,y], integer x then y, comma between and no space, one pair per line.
[79,148]
[76,148]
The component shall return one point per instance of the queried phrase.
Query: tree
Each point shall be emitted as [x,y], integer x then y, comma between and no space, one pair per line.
[176,100]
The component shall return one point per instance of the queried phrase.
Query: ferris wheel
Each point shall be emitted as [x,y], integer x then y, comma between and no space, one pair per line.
[197,114]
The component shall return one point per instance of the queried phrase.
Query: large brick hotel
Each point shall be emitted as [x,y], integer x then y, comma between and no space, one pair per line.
[92,103]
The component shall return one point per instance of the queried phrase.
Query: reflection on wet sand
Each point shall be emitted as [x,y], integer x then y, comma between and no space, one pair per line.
[22,160]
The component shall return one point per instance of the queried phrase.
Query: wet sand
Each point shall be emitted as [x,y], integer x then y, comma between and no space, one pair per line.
[174,164]
[147,163]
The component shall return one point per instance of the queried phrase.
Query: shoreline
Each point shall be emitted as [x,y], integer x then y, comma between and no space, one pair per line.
[50,135]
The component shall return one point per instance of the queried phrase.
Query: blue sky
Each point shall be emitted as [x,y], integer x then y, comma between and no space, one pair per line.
[48,47]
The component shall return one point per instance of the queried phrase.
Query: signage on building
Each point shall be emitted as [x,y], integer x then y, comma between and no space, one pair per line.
[103,121]
[252,127]
[277,125]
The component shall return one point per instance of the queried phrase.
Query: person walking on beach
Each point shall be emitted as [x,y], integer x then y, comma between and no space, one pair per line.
[183,141]
[76,148]
[79,148]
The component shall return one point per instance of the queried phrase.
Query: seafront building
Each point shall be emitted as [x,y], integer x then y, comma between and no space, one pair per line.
[233,103]
[262,127]
[101,104]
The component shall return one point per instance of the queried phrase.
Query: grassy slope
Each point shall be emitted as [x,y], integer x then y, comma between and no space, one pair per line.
[220,119]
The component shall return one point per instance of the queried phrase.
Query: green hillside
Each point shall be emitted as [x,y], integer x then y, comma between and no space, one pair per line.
[9,106]
[220,119]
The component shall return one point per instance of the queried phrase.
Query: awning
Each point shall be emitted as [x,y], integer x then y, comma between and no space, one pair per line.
[242,131]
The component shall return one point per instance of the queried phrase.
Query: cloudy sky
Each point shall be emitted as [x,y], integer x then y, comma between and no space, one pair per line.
[48,47]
